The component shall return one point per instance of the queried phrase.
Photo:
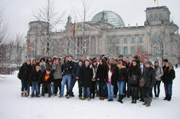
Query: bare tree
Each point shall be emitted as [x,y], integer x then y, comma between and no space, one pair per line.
[164,47]
[3,39]
[141,54]
[49,19]
[83,17]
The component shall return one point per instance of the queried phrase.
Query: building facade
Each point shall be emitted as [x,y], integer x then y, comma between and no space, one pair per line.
[106,34]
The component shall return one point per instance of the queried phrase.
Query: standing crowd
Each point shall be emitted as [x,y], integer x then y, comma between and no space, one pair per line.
[98,77]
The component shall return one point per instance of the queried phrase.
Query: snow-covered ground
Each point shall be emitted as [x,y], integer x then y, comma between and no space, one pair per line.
[13,106]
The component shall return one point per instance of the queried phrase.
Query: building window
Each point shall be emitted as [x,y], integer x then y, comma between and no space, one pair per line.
[156,51]
[151,17]
[141,48]
[156,16]
[118,50]
[140,39]
[161,16]
[125,51]
[110,41]
[133,50]
[133,40]
[118,41]
[125,40]
[156,38]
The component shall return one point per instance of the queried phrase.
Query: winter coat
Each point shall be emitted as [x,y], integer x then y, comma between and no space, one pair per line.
[57,73]
[159,73]
[42,78]
[122,74]
[134,71]
[101,72]
[127,65]
[68,67]
[25,70]
[76,70]
[113,77]
[168,76]
[149,76]
[86,74]
[34,75]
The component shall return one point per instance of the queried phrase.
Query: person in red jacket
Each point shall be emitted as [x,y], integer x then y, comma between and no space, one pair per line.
[110,80]
[46,80]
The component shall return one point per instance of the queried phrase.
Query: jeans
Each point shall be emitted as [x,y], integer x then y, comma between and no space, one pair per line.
[168,89]
[34,87]
[102,89]
[24,85]
[73,81]
[110,91]
[120,85]
[148,92]
[157,88]
[86,92]
[64,79]
[52,88]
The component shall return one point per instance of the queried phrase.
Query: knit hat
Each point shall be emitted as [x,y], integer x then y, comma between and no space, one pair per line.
[149,62]
[165,60]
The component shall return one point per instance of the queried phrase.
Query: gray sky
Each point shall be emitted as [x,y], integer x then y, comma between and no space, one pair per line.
[20,12]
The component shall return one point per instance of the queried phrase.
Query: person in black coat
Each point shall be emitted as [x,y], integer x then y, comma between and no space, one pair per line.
[46,79]
[134,74]
[101,77]
[76,74]
[168,77]
[121,79]
[67,76]
[149,76]
[35,79]
[86,75]
[24,72]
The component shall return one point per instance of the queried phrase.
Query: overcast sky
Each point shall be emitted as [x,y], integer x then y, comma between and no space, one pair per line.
[20,12]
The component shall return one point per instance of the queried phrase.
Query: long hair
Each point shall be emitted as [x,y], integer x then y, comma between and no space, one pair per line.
[170,66]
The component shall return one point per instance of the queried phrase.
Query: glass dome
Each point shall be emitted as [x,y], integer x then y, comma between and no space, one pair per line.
[111,17]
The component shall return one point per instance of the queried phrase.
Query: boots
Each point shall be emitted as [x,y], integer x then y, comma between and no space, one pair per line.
[149,102]
[120,98]
[168,97]
[22,92]
[145,101]
[133,100]
[26,94]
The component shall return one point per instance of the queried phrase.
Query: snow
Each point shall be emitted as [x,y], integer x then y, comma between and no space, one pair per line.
[13,106]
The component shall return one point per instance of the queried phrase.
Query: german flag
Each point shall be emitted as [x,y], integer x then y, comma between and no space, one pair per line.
[74,29]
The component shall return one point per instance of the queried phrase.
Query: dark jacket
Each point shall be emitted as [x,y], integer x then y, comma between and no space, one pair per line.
[42,78]
[34,75]
[24,71]
[101,73]
[86,74]
[149,76]
[134,71]
[122,74]
[168,76]
[76,70]
[68,67]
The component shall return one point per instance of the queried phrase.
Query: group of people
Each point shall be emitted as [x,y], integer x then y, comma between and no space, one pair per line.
[98,77]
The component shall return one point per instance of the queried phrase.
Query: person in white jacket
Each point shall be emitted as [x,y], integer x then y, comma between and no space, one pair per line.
[158,74]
